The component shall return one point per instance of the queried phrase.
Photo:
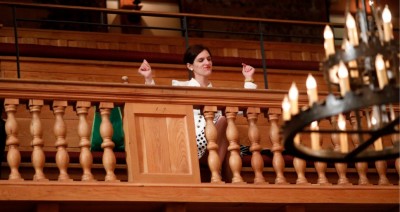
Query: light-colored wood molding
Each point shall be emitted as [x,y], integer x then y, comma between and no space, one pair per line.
[242,193]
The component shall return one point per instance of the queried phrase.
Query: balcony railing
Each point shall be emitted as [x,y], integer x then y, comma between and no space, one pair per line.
[169,107]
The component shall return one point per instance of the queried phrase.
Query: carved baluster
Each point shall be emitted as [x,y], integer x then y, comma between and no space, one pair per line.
[214,162]
[106,132]
[362,167]
[38,157]
[320,167]
[395,138]
[300,167]
[85,157]
[277,161]
[60,131]
[341,168]
[397,165]
[232,135]
[12,142]
[257,162]
[321,170]
[381,168]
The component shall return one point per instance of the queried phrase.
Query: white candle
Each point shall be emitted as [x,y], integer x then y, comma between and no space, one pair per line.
[343,79]
[381,71]
[387,24]
[315,145]
[286,109]
[374,122]
[293,98]
[344,145]
[351,30]
[329,41]
[312,92]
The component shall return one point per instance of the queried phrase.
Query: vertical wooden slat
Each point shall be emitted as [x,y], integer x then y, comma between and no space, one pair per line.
[85,157]
[38,157]
[12,142]
[106,132]
[361,167]
[257,162]
[277,162]
[232,135]
[381,168]
[214,162]
[60,131]
[341,168]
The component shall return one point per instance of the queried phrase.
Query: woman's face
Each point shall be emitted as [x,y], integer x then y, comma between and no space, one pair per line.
[202,64]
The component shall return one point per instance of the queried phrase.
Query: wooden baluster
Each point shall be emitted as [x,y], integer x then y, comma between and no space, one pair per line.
[106,132]
[395,138]
[232,135]
[300,166]
[397,165]
[12,142]
[362,167]
[381,168]
[341,168]
[257,162]
[321,167]
[85,157]
[214,162]
[38,157]
[277,161]
[60,131]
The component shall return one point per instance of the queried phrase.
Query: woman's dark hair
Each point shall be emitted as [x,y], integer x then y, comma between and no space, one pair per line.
[192,52]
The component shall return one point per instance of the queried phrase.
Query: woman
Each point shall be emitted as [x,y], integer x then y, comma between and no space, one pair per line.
[198,60]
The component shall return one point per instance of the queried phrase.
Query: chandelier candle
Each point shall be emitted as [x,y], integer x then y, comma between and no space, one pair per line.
[344,145]
[329,43]
[343,79]
[387,24]
[351,30]
[381,71]
[286,109]
[312,92]
[294,108]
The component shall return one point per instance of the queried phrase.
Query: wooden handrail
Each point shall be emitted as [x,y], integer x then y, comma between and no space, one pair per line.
[121,93]
[165,14]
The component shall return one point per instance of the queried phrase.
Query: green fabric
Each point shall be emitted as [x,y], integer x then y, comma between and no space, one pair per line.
[118,136]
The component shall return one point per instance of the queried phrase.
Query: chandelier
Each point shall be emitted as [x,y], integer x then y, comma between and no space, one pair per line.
[365,74]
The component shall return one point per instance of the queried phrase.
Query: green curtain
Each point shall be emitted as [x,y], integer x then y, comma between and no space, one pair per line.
[118,136]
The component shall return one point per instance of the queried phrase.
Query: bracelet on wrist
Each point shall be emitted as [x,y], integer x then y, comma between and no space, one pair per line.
[249,80]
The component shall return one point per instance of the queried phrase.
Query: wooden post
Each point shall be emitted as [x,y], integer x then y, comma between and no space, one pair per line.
[106,132]
[214,162]
[362,167]
[277,162]
[85,157]
[38,157]
[12,142]
[232,135]
[60,131]
[257,162]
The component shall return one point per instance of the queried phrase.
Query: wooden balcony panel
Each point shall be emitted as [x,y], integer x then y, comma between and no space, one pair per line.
[171,45]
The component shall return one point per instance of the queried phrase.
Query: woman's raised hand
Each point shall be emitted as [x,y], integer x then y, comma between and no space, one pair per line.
[248,72]
[145,69]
